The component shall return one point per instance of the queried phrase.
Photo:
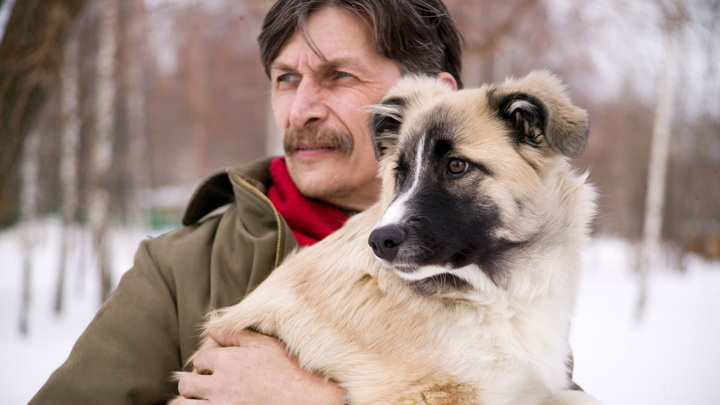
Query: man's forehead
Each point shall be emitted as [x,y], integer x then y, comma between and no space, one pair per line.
[303,51]
[321,62]
[333,37]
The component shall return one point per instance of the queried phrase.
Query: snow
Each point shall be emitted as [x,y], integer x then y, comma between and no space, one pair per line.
[31,359]
[671,356]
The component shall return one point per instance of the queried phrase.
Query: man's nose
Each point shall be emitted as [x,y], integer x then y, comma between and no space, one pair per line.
[308,105]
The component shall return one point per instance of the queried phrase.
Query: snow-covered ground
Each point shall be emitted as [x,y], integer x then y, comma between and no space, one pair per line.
[672,356]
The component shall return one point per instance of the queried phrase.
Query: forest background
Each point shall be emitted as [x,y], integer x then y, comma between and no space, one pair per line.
[131,108]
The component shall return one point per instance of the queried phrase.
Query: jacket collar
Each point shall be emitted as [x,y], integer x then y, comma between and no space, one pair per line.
[217,190]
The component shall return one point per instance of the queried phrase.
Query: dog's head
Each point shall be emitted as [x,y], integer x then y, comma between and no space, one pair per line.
[472,177]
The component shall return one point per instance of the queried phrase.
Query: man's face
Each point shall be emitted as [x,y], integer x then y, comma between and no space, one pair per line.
[318,104]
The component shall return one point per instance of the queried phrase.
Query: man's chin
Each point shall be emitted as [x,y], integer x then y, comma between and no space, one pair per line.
[333,178]
[312,176]
[319,189]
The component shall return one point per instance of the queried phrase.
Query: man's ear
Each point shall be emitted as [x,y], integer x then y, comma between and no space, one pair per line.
[449,79]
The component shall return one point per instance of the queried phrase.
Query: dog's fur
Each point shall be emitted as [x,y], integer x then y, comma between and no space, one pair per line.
[477,235]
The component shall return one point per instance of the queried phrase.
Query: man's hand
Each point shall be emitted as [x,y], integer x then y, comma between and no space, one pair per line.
[252,368]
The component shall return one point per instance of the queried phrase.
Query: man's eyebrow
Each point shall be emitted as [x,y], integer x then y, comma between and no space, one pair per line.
[281,67]
[327,65]
[344,62]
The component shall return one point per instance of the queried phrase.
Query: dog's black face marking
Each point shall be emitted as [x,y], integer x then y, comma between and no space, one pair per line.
[401,172]
[441,146]
[447,228]
[385,127]
[446,221]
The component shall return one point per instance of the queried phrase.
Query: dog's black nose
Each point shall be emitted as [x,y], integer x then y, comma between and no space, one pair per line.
[385,242]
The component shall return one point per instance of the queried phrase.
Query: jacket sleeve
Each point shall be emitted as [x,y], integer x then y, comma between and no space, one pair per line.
[151,324]
[129,350]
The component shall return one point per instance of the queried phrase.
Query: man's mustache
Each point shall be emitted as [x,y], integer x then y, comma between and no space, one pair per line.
[295,139]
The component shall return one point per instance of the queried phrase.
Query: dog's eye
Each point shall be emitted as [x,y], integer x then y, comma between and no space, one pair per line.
[457,167]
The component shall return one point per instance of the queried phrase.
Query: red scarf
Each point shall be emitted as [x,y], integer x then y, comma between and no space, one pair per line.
[310,220]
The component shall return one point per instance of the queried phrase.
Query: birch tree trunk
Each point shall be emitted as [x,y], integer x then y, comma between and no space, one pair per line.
[28,204]
[651,243]
[70,145]
[198,89]
[139,171]
[102,153]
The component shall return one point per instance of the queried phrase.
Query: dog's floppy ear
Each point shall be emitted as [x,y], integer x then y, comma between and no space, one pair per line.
[388,116]
[540,114]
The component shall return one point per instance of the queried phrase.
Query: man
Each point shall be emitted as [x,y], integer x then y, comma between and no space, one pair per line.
[327,60]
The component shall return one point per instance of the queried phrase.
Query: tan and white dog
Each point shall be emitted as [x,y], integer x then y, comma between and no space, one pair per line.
[466,293]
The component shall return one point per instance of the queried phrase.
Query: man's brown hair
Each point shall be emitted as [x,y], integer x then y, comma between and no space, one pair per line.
[420,35]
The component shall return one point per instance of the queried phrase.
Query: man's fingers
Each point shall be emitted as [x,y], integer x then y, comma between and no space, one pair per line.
[244,338]
[192,387]
[185,401]
[221,338]
[204,360]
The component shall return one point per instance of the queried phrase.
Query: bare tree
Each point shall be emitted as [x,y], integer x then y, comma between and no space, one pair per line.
[651,244]
[199,98]
[139,170]
[102,153]
[29,60]
[29,202]
[489,28]
[70,146]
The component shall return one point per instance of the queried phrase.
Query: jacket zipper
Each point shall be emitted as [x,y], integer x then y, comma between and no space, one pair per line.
[263,197]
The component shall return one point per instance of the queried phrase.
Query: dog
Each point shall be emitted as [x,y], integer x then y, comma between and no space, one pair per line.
[466,291]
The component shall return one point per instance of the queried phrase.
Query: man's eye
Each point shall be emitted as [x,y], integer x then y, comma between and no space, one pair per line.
[342,75]
[287,77]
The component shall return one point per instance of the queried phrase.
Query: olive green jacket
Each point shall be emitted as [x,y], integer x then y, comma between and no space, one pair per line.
[150,325]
